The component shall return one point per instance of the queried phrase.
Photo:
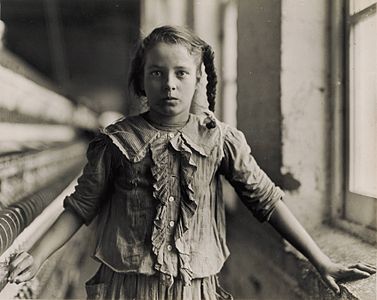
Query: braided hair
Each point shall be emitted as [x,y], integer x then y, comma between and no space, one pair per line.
[209,65]
[196,47]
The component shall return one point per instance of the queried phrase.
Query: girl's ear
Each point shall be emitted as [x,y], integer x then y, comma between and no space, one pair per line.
[198,79]
[199,75]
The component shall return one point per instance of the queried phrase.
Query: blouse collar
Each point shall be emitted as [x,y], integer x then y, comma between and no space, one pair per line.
[133,135]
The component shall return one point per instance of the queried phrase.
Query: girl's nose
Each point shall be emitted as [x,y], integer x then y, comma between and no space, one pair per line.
[170,84]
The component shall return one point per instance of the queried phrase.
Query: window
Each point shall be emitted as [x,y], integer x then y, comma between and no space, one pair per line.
[356,195]
[361,188]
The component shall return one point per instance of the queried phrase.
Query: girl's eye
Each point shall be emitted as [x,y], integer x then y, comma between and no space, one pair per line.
[181,73]
[156,73]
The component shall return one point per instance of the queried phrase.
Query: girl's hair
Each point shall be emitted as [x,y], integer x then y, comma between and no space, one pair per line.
[175,35]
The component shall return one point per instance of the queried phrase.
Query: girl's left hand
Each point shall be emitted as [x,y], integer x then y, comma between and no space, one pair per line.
[333,273]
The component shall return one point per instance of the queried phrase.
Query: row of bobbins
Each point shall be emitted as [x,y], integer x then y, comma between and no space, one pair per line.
[11,224]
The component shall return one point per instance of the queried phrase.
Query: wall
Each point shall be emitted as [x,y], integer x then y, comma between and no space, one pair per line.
[283,86]
[283,111]
[159,13]
[259,81]
[305,106]
[206,16]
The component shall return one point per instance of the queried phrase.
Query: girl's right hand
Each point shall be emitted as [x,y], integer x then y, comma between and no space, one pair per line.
[22,267]
[332,273]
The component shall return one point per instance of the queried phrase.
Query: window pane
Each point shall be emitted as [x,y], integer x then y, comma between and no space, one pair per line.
[363,107]
[362,210]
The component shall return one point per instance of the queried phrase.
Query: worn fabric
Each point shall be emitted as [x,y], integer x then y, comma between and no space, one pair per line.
[107,284]
[158,195]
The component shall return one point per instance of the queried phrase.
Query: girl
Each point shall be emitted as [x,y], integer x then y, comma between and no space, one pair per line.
[153,181]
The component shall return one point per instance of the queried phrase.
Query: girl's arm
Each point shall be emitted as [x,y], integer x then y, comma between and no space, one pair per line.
[26,264]
[290,229]
[85,200]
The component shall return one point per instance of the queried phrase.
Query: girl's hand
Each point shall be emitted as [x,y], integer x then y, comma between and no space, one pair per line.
[22,267]
[332,273]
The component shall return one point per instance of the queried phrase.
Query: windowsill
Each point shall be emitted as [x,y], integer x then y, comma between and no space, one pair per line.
[263,266]
[366,234]
[348,250]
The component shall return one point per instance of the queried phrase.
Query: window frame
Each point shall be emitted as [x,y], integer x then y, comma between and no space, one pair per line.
[339,83]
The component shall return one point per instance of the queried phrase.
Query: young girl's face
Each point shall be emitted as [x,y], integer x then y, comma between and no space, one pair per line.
[170,80]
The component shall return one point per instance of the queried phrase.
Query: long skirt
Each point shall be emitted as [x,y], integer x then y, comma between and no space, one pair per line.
[107,284]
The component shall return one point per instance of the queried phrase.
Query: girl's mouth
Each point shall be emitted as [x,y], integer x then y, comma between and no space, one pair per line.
[170,99]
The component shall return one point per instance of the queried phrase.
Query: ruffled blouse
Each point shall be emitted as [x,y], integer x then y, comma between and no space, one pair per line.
[158,195]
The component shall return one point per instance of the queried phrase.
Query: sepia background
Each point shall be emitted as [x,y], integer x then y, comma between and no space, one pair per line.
[298,77]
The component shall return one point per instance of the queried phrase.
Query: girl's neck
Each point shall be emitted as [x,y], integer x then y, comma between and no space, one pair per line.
[169,122]
[165,123]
